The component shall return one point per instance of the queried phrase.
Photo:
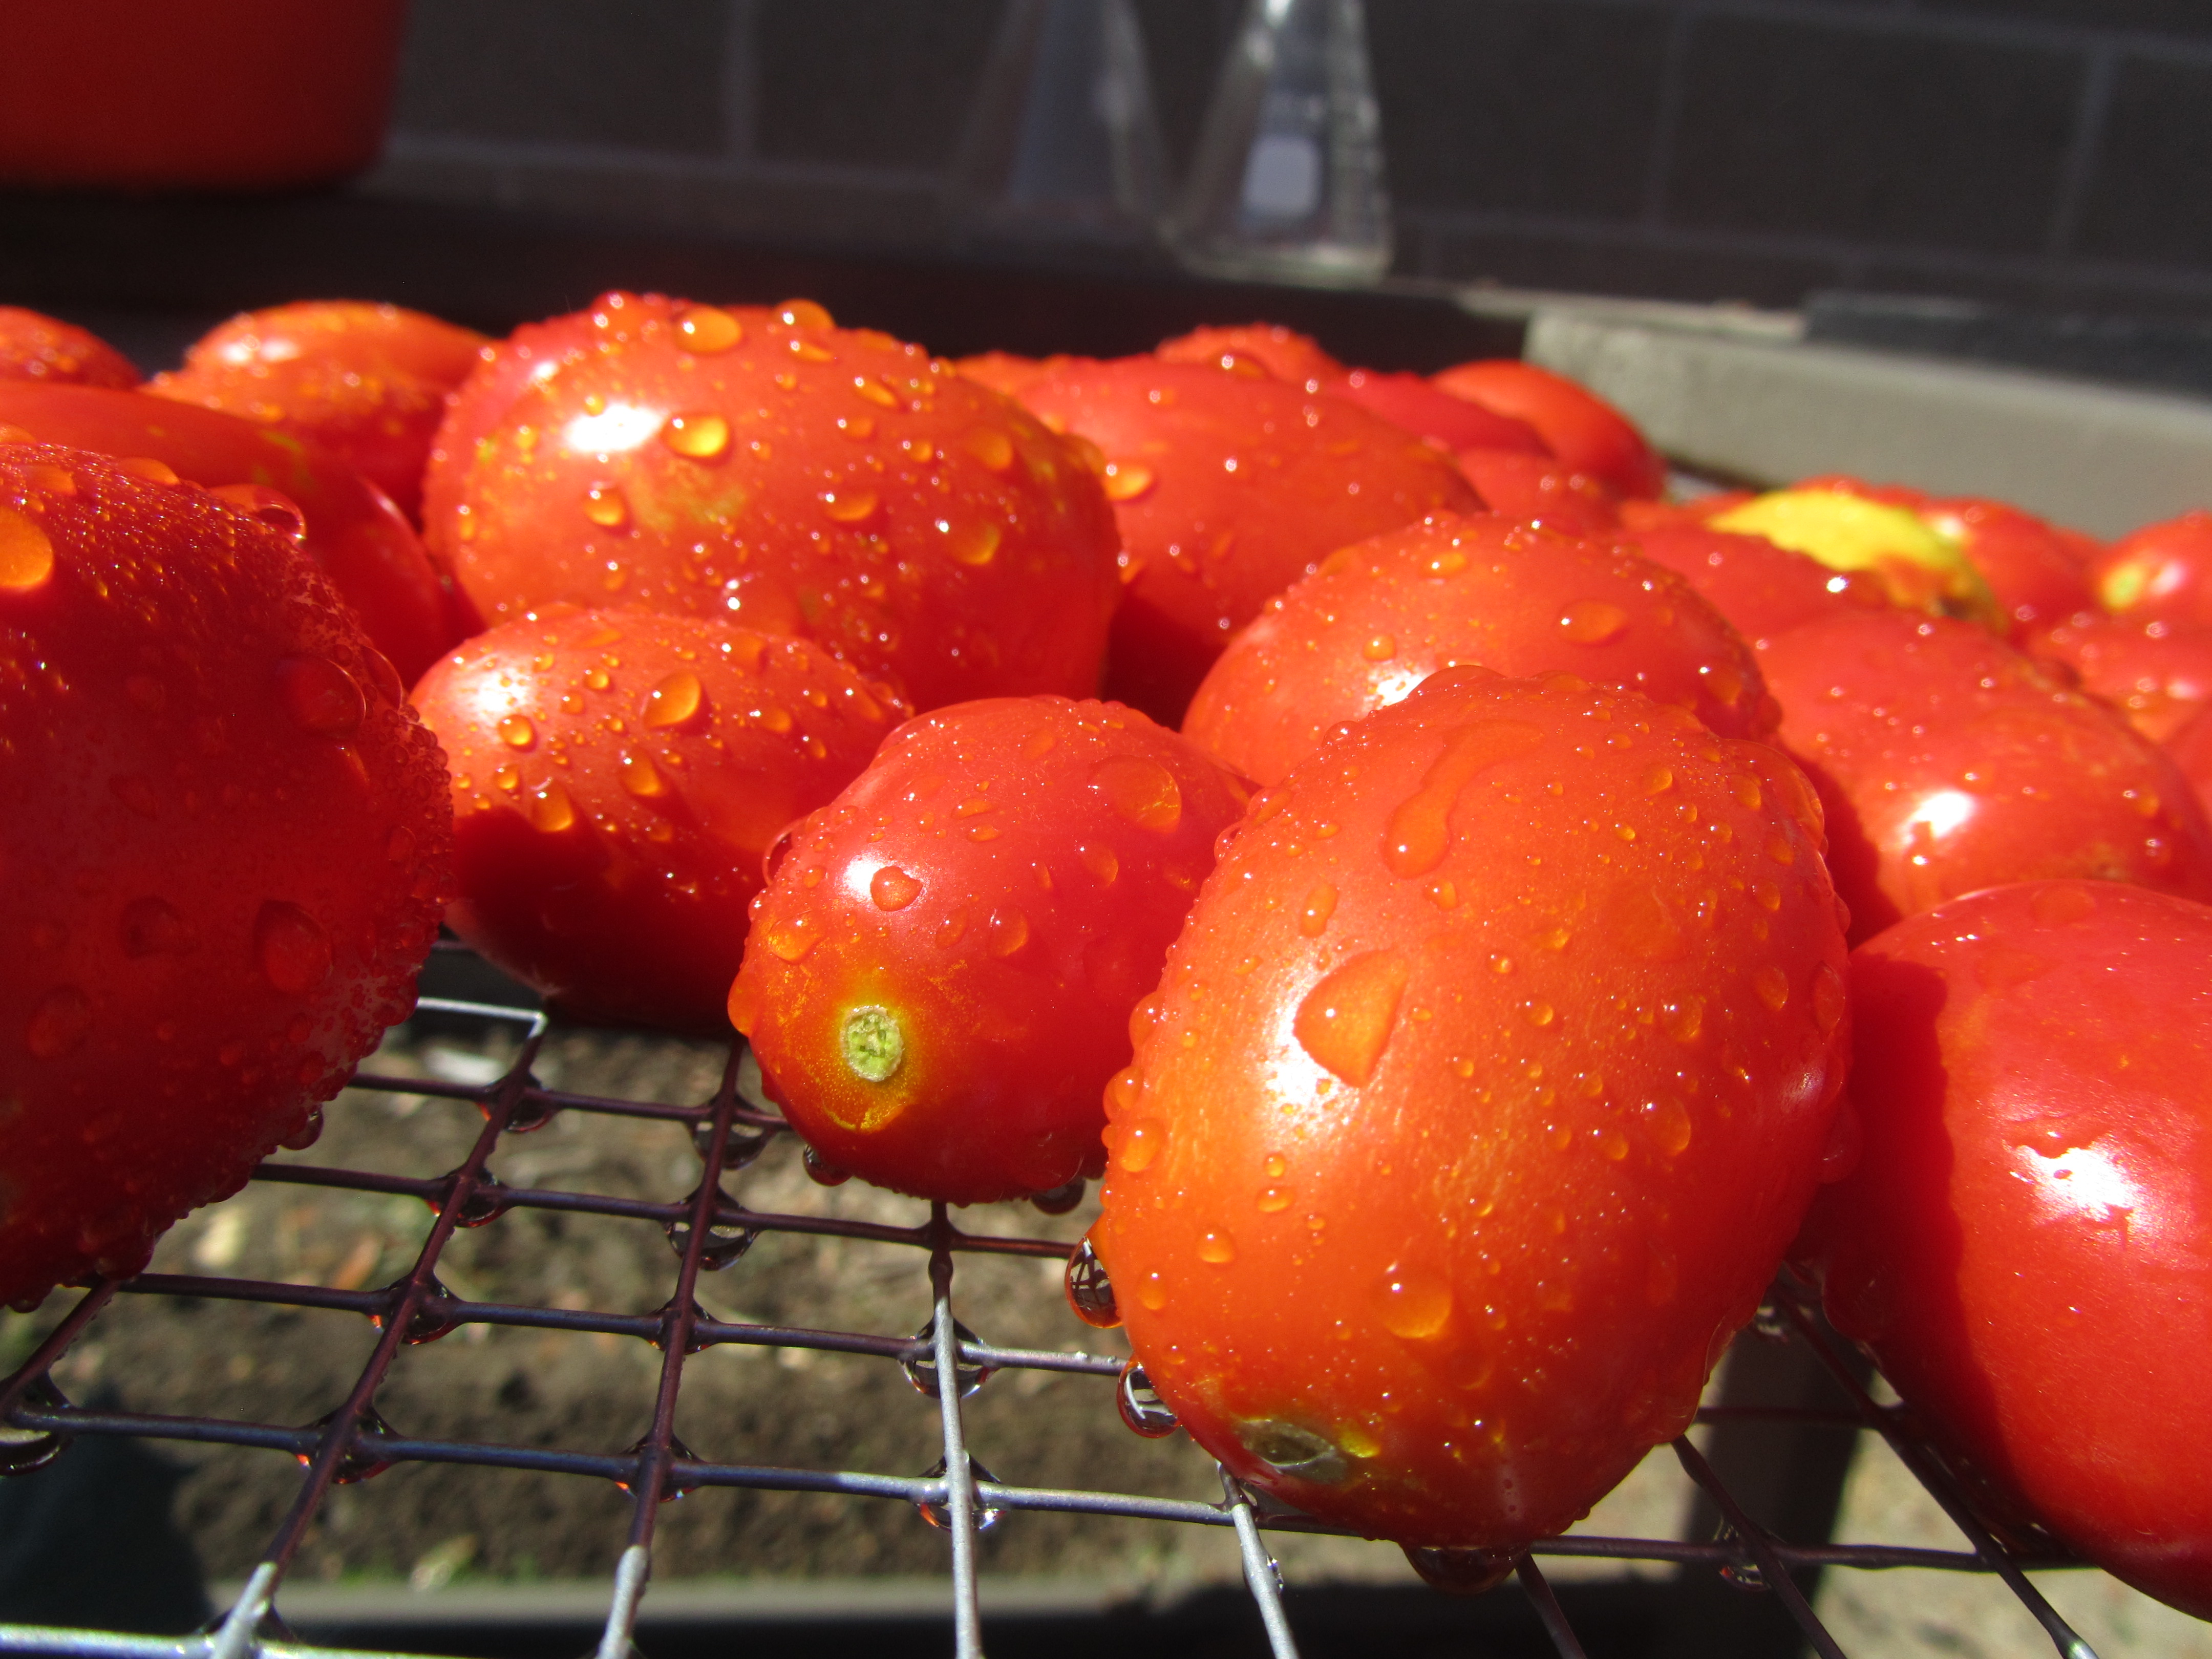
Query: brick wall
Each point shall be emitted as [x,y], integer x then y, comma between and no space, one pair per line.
[2056,153]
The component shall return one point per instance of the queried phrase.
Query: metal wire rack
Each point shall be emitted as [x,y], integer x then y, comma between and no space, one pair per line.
[351,1442]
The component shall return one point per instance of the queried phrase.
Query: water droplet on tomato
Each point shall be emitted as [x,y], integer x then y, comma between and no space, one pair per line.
[1143,792]
[1008,931]
[1592,621]
[1418,833]
[1141,1407]
[1218,1248]
[1667,1123]
[1683,1019]
[992,448]
[1413,1303]
[1828,999]
[642,778]
[972,545]
[1321,904]
[291,947]
[1142,1141]
[59,1024]
[1658,780]
[893,889]
[1345,1022]
[1273,1199]
[849,506]
[677,700]
[320,696]
[1772,986]
[1124,481]
[792,938]
[516,731]
[702,330]
[605,506]
[821,1171]
[1089,1292]
[1459,1571]
[1099,861]
[552,812]
[1152,1290]
[698,437]
[152,927]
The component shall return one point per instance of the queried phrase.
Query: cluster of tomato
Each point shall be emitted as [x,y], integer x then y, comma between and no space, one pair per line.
[1442,942]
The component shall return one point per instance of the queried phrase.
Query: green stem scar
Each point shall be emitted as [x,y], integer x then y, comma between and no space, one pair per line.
[874,1045]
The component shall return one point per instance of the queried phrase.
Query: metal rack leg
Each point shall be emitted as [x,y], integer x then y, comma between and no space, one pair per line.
[1259,1573]
[959,1481]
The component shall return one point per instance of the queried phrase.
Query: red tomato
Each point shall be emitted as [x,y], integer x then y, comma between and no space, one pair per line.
[224,849]
[2158,674]
[618,777]
[38,348]
[1227,490]
[2161,573]
[2023,1247]
[1949,762]
[1639,515]
[1483,1088]
[1541,490]
[366,382]
[1761,588]
[1579,426]
[356,538]
[2190,746]
[939,979]
[1284,353]
[1382,616]
[795,478]
[1003,372]
[1450,423]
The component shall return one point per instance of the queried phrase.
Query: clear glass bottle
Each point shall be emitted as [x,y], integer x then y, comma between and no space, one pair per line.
[1288,178]
[1064,141]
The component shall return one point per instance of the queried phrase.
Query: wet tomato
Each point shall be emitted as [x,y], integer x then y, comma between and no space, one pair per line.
[618,777]
[1380,616]
[1227,489]
[2023,1247]
[1492,1071]
[1541,490]
[356,536]
[787,475]
[940,973]
[1919,567]
[1761,588]
[2161,573]
[1284,353]
[2158,674]
[1583,430]
[226,845]
[1948,762]
[35,347]
[1450,423]
[366,382]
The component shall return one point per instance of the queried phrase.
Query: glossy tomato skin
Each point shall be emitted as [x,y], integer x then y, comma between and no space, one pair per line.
[1227,489]
[2157,674]
[617,778]
[356,536]
[1450,423]
[2161,573]
[1949,762]
[1576,425]
[366,382]
[36,347]
[795,478]
[1284,353]
[1380,616]
[940,973]
[2023,1246]
[226,845]
[1490,1075]
[2034,569]
[1541,490]
[1761,588]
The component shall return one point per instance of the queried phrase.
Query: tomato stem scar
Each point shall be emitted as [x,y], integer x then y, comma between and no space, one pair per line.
[874,1046]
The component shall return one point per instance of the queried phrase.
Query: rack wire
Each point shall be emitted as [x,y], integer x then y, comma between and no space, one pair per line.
[352,1441]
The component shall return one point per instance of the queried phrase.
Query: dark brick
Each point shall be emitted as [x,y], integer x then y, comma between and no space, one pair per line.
[570,71]
[2188,18]
[1518,105]
[868,83]
[1865,135]
[2153,175]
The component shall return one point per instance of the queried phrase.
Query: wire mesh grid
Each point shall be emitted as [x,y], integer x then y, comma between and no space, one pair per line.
[709,1227]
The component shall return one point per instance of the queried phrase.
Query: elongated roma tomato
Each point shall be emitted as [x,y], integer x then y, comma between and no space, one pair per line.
[356,536]
[1491,1072]
[36,347]
[1948,761]
[1381,616]
[2024,1246]
[618,777]
[1227,489]
[793,477]
[224,847]
[940,976]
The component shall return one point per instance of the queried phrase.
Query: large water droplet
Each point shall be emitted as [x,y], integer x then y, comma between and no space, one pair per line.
[1142,791]
[972,545]
[1345,1022]
[1124,481]
[848,506]
[1059,1200]
[516,731]
[727,1239]
[1413,1303]
[940,1515]
[1592,621]
[700,437]
[1099,860]
[706,329]
[292,951]
[921,1366]
[893,889]
[1772,986]
[1217,1246]
[642,778]
[1008,931]
[1088,1290]
[992,448]
[605,506]
[1142,1141]
[1669,1123]
[58,1024]
[1320,905]
[1141,1407]
[1828,998]
[552,810]
[1459,1571]
[270,507]
[678,700]
[1420,831]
